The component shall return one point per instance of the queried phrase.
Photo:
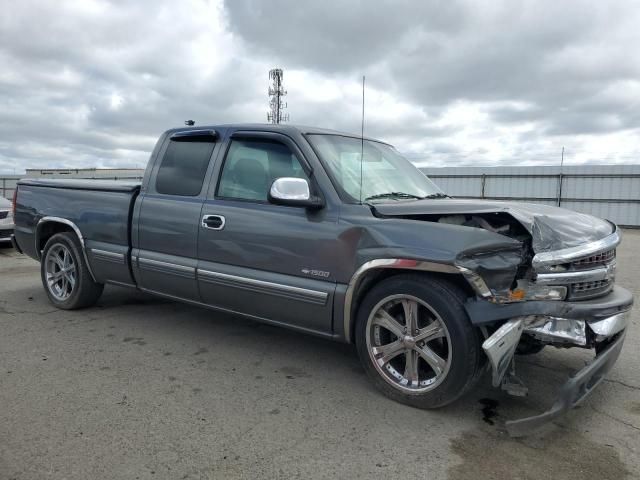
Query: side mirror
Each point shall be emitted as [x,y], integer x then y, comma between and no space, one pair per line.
[293,192]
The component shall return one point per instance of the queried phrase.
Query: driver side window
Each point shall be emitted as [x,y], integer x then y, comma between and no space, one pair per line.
[251,166]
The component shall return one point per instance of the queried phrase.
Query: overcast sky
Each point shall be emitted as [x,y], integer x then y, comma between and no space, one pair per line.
[93,83]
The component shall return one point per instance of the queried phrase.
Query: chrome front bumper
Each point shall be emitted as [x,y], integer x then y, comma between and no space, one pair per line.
[574,391]
[604,328]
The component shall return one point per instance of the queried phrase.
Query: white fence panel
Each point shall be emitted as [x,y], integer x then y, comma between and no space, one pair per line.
[611,192]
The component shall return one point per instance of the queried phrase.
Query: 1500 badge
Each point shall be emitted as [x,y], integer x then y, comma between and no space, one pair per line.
[315,273]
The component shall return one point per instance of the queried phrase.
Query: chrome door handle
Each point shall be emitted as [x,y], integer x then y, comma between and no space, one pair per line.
[213,222]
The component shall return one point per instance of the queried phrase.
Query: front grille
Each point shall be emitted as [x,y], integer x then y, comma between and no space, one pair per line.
[590,289]
[593,260]
[592,283]
[4,214]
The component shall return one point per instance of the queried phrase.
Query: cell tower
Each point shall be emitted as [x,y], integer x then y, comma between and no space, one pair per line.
[276,92]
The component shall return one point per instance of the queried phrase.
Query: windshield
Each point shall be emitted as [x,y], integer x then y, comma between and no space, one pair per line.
[386,175]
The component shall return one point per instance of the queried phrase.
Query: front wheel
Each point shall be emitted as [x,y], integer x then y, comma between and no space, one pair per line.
[65,275]
[416,342]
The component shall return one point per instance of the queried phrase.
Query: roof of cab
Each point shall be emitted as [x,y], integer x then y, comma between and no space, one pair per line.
[270,127]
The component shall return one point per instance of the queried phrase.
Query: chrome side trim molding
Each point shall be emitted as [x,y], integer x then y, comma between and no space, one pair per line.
[107,256]
[246,315]
[396,263]
[270,288]
[166,267]
[75,228]
[476,282]
[565,255]
[121,284]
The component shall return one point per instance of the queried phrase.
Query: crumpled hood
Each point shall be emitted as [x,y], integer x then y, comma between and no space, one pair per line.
[551,228]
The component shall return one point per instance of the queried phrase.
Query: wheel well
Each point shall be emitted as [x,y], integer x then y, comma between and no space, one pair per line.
[375,276]
[48,230]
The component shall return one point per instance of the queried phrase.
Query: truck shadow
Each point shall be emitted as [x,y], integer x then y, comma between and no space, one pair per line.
[297,355]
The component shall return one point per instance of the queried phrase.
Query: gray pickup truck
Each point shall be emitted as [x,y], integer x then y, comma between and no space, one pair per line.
[339,236]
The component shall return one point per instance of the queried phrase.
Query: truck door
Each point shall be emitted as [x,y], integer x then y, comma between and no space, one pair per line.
[164,257]
[260,259]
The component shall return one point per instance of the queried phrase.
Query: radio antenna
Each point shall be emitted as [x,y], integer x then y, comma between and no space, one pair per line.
[362,140]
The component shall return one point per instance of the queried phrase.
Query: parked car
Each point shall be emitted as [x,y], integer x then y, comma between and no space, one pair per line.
[338,236]
[6,220]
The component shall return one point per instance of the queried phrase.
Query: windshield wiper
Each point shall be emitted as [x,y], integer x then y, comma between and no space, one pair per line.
[393,195]
[437,195]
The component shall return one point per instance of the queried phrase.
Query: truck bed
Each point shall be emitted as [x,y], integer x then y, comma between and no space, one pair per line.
[100,210]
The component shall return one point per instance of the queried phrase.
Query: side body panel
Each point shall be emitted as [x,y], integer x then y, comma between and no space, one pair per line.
[269,261]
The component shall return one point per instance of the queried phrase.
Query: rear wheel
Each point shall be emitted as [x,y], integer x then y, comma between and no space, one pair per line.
[416,342]
[65,275]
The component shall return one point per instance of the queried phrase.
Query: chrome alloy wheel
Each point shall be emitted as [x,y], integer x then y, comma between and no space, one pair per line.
[408,343]
[60,270]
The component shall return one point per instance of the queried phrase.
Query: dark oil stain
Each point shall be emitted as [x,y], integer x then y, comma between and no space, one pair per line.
[489,412]
[172,379]
[258,377]
[565,454]
[105,368]
[196,390]
[201,350]
[292,372]
[135,340]
[275,411]
[110,335]
[290,377]
[166,354]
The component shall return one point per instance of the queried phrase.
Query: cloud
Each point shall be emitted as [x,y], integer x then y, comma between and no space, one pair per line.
[93,83]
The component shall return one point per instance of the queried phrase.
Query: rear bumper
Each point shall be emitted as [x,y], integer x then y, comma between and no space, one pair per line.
[6,234]
[574,391]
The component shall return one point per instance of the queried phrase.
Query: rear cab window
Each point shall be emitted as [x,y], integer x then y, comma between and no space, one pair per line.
[184,166]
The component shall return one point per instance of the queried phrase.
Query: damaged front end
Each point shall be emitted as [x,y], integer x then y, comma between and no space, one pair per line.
[553,286]
[502,345]
[561,299]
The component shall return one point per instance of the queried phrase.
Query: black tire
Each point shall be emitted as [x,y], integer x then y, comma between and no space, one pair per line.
[85,292]
[446,300]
